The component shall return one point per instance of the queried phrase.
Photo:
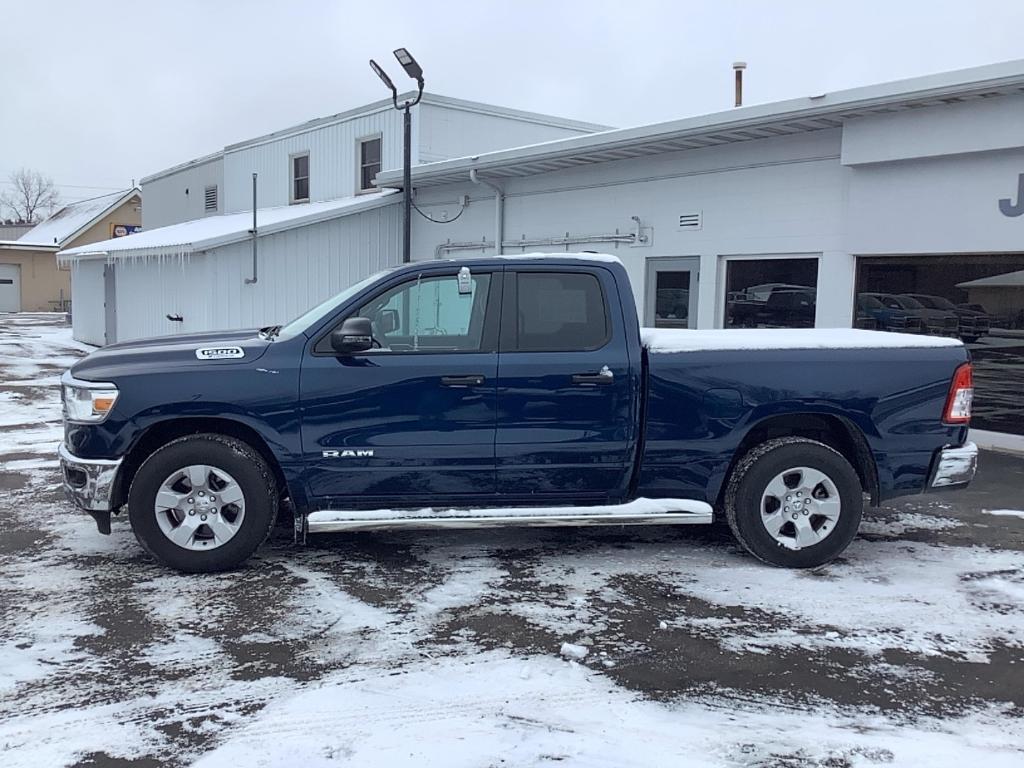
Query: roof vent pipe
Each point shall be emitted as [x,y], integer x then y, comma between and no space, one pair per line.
[738,67]
[499,209]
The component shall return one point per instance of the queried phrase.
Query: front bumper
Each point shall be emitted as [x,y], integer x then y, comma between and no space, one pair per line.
[89,483]
[954,467]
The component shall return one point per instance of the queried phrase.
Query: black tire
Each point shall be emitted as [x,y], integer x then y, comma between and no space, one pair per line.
[233,456]
[758,468]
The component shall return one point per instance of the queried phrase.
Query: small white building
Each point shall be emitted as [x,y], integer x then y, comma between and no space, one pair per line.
[339,156]
[322,222]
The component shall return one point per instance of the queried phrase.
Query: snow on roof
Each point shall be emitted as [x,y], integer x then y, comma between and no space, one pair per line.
[1006,280]
[201,234]
[73,218]
[671,340]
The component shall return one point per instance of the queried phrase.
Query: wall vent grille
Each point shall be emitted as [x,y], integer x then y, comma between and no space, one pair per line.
[210,199]
[691,221]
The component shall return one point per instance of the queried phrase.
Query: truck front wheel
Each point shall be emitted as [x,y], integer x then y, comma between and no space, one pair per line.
[202,503]
[794,502]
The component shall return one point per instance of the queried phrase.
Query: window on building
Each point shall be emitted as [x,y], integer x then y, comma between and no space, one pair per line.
[369,163]
[771,293]
[210,199]
[429,315]
[560,312]
[977,298]
[671,299]
[300,178]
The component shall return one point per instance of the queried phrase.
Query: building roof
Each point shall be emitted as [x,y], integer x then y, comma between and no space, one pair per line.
[428,98]
[13,231]
[214,231]
[73,219]
[810,113]
[1005,280]
[379,106]
[16,245]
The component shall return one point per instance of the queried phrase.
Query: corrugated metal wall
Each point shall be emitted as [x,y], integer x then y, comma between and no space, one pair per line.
[87,301]
[164,200]
[446,132]
[332,161]
[297,269]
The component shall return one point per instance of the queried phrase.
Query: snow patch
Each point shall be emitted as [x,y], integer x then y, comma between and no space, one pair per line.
[1005,512]
[908,521]
[572,651]
[492,709]
[682,340]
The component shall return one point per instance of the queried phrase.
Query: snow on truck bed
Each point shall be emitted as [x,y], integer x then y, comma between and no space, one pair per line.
[672,340]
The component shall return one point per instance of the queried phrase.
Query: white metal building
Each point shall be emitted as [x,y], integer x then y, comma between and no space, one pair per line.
[322,223]
[342,154]
[897,206]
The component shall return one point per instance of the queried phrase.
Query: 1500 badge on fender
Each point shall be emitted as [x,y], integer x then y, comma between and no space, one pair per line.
[220,353]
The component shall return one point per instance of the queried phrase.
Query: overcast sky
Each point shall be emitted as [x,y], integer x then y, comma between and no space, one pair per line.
[98,93]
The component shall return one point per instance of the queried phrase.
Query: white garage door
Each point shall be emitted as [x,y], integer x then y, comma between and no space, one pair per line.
[10,288]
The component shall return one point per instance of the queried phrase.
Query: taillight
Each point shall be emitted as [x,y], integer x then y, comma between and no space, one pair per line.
[961,393]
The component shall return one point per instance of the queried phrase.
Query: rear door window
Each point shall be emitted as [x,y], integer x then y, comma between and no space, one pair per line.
[560,312]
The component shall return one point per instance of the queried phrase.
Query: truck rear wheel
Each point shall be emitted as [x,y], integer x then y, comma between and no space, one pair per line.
[794,502]
[203,503]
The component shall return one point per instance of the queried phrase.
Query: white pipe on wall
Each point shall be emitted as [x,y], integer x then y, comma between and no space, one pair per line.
[499,208]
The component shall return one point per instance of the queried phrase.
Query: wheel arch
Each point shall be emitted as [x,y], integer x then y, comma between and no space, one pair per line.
[835,431]
[162,432]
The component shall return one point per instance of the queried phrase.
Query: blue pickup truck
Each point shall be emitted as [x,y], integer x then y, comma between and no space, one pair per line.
[508,391]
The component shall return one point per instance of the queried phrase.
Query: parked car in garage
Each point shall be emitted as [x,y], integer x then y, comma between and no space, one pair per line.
[933,321]
[888,318]
[509,391]
[939,322]
[973,324]
[773,305]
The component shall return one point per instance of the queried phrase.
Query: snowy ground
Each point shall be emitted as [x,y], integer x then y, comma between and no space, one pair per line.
[443,648]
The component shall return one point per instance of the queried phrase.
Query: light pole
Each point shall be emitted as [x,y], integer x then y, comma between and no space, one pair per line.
[414,71]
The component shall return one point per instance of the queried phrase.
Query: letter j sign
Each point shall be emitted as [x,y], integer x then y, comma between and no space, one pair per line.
[1009,208]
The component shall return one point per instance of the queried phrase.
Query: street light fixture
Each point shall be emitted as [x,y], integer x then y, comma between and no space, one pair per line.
[413,69]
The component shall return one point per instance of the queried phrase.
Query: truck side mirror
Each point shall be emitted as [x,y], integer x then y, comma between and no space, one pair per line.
[354,335]
[387,322]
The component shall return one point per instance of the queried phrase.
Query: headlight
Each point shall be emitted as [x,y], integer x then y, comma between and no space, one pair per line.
[87,402]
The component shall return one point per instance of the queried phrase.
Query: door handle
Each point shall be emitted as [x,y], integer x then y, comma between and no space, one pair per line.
[604,376]
[473,380]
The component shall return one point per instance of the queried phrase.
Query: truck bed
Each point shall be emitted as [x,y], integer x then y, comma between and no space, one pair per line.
[708,390]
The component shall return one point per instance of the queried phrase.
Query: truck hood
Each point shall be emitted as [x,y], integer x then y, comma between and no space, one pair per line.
[150,355]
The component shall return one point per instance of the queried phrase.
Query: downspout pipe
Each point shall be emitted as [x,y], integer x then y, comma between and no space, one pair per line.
[499,209]
[255,234]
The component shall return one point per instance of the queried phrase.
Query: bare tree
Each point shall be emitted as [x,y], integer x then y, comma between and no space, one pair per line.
[31,195]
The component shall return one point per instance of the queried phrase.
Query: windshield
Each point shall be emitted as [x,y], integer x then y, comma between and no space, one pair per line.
[869,302]
[306,319]
[909,303]
[937,302]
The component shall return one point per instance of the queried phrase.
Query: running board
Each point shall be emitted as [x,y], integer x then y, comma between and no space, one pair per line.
[638,512]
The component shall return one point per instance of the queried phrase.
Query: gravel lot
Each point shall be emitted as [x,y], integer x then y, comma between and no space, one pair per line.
[443,648]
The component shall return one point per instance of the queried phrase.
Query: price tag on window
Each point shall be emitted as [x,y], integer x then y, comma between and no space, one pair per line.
[465,281]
